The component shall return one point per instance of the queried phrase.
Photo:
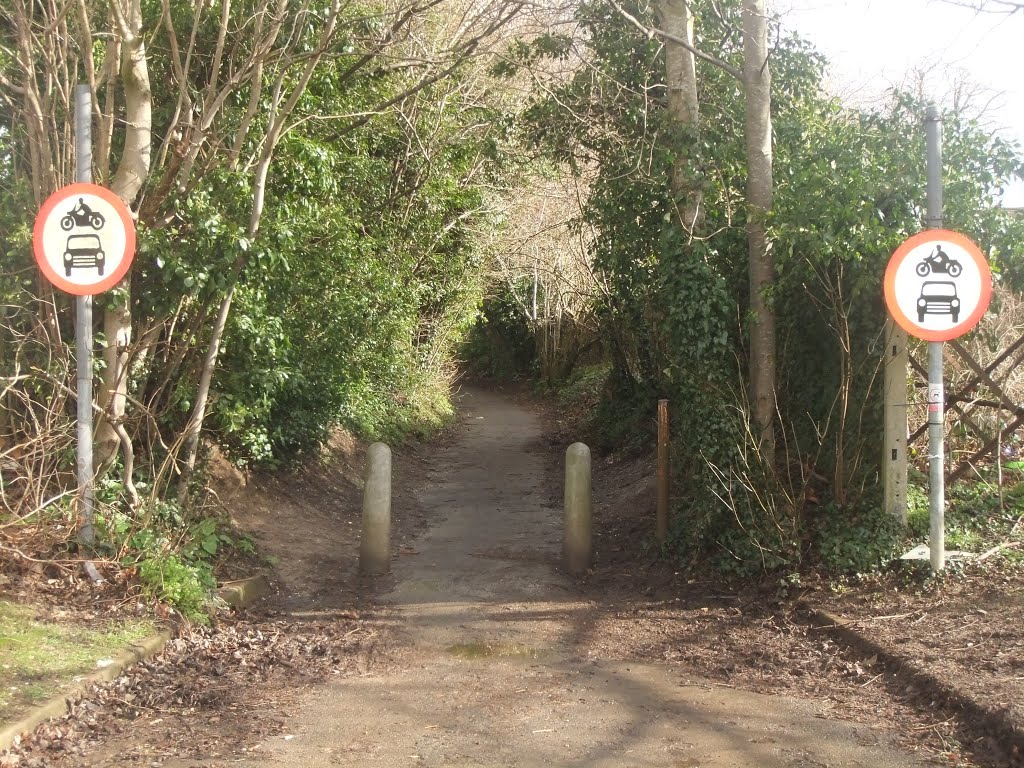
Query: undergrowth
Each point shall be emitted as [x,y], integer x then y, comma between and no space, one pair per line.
[172,548]
[741,520]
[173,553]
[980,514]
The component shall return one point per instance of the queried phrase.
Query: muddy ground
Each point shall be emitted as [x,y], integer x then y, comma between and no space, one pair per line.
[225,695]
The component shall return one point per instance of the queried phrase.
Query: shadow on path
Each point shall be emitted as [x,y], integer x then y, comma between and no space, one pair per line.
[499,669]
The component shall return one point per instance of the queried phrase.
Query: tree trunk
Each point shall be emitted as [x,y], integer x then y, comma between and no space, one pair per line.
[194,426]
[132,173]
[758,128]
[681,83]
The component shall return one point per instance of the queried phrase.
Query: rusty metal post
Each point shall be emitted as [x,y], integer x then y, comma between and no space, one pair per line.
[661,527]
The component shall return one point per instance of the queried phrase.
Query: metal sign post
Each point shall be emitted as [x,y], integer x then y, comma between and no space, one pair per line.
[936,392]
[938,286]
[84,243]
[83,332]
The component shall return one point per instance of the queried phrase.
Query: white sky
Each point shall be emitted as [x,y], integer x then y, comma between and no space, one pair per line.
[875,44]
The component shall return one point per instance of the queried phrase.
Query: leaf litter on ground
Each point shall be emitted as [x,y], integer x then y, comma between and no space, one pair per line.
[226,686]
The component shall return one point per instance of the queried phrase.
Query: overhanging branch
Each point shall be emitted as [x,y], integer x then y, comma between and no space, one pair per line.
[1005,7]
[661,34]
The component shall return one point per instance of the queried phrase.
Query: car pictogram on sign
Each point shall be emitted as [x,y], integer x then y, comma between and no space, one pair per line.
[83,251]
[938,297]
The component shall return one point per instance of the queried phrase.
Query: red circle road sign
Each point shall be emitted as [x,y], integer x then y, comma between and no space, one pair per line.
[84,239]
[937,285]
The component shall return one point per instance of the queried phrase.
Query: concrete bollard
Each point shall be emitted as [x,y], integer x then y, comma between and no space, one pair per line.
[576,550]
[375,541]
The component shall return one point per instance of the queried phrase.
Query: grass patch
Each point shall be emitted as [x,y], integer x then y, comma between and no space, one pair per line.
[40,658]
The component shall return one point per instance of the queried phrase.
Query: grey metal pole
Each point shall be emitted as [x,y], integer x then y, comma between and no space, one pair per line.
[936,393]
[83,336]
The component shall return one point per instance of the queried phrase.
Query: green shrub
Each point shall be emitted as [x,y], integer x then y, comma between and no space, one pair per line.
[858,538]
[975,517]
[186,586]
[175,556]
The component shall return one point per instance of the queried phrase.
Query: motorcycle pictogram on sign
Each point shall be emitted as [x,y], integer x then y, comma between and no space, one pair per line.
[939,262]
[83,216]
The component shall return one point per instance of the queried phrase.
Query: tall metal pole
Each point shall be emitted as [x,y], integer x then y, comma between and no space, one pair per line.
[83,336]
[936,392]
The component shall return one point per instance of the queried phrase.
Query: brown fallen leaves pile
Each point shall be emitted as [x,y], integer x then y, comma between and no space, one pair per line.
[210,693]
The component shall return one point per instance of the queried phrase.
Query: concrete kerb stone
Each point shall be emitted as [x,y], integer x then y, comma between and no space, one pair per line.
[237,594]
[58,705]
[978,718]
[243,592]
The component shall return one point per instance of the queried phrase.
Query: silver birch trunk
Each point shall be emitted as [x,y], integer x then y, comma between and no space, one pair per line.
[681,84]
[132,172]
[758,128]
[279,115]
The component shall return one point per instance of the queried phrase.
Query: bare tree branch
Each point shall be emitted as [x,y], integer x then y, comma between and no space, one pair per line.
[661,34]
[1004,7]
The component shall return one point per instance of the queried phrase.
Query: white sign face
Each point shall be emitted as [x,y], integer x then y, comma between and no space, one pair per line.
[84,239]
[937,285]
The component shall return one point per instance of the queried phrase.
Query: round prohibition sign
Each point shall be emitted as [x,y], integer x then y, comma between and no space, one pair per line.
[937,285]
[84,239]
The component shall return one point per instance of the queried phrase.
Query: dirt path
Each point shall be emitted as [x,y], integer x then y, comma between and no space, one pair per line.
[498,668]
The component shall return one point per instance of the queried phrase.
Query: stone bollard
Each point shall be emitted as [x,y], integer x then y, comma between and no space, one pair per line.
[577,545]
[375,541]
